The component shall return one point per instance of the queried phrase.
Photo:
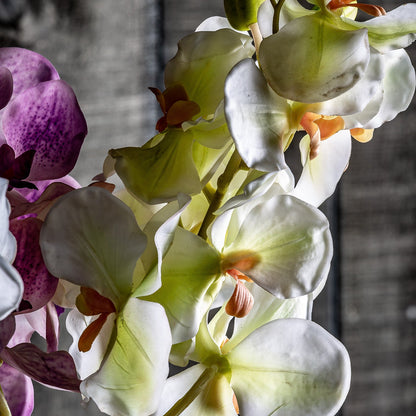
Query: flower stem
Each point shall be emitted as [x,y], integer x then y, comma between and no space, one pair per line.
[224,180]
[257,37]
[276,16]
[192,393]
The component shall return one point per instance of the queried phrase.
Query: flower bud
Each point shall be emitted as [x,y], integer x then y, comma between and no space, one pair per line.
[242,13]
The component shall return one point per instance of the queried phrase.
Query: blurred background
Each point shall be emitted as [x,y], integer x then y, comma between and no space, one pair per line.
[110,52]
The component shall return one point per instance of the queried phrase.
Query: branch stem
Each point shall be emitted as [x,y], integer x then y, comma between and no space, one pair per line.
[223,182]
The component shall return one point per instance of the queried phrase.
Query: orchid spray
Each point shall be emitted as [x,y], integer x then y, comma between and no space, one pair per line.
[212,255]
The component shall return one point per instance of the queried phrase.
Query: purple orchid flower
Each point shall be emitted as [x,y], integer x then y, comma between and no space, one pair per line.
[41,113]
[23,361]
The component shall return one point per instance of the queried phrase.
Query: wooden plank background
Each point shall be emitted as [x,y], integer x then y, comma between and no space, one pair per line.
[111,51]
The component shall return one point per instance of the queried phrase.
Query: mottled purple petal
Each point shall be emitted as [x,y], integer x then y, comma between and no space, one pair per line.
[46,118]
[56,369]
[32,195]
[39,284]
[6,86]
[20,206]
[7,328]
[18,390]
[7,158]
[27,67]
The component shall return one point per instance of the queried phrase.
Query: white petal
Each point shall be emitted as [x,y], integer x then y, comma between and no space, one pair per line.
[321,175]
[292,367]
[93,246]
[11,288]
[257,118]
[131,379]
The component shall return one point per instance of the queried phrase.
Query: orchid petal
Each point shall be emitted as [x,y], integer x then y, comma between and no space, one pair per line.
[281,243]
[54,369]
[45,322]
[46,118]
[305,61]
[257,188]
[266,308]
[91,246]
[39,284]
[321,175]
[258,119]
[88,362]
[214,23]
[292,367]
[33,195]
[27,67]
[131,378]
[6,86]
[394,30]
[158,174]
[357,98]
[18,391]
[7,241]
[7,329]
[398,90]
[190,281]
[12,287]
[216,399]
[202,63]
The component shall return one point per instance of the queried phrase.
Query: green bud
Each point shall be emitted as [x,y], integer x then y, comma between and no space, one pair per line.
[242,13]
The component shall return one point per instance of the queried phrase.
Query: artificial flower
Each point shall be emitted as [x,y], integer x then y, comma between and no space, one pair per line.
[193,136]
[98,249]
[288,364]
[42,115]
[279,242]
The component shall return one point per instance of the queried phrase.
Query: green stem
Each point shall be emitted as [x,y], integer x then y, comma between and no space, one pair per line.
[276,16]
[224,180]
[192,393]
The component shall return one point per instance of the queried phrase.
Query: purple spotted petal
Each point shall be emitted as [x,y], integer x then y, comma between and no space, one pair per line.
[32,194]
[7,328]
[6,86]
[21,207]
[18,390]
[55,369]
[27,67]
[46,118]
[39,284]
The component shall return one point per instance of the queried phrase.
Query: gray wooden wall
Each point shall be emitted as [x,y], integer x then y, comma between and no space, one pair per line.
[111,51]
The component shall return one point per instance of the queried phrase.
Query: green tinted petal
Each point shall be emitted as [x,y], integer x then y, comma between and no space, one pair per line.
[310,60]
[190,281]
[290,367]
[394,30]
[90,246]
[203,61]
[214,400]
[286,242]
[132,376]
[160,173]
[258,119]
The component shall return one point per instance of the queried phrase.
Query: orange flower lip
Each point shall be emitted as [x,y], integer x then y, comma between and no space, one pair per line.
[175,105]
[370,9]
